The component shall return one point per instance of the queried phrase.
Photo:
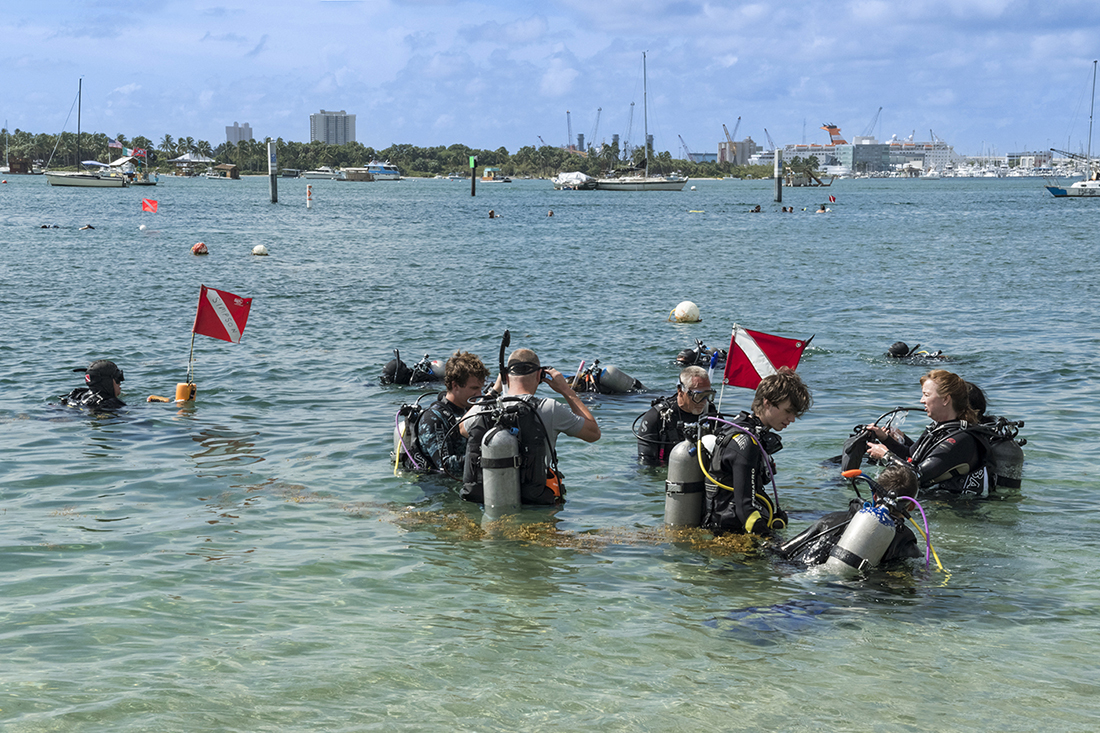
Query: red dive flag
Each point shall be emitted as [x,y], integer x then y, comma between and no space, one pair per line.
[832,199]
[221,315]
[754,355]
[149,205]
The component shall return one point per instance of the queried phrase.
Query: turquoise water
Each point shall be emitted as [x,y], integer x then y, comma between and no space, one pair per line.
[251,563]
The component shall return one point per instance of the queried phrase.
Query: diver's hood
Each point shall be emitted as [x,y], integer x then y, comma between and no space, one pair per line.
[101,375]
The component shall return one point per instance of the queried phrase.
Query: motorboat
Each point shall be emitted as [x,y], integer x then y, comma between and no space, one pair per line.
[573,181]
[384,171]
[322,173]
[493,175]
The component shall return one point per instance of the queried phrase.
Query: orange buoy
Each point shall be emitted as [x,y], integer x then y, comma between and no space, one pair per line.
[185,391]
[200,249]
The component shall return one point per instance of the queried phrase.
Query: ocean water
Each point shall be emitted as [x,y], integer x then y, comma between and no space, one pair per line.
[251,562]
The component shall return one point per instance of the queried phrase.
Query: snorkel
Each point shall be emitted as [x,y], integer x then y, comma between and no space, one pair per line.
[504,341]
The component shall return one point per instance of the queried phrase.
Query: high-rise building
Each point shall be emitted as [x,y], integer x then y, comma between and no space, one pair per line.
[236,133]
[332,128]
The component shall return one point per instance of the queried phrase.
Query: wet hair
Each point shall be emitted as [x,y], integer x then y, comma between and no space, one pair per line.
[784,385]
[460,367]
[953,386]
[977,399]
[902,480]
[690,374]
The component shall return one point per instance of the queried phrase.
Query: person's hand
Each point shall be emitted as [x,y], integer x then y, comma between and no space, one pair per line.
[876,431]
[877,450]
[557,380]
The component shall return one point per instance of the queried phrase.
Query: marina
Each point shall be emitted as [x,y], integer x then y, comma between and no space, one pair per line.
[251,561]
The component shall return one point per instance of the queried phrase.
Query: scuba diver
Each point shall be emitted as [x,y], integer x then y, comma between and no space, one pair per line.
[103,385]
[398,372]
[668,421]
[442,445]
[901,351]
[700,355]
[741,463]
[840,538]
[954,453]
[513,436]
[606,380]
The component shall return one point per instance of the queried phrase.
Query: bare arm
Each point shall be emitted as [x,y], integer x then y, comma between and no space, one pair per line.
[590,433]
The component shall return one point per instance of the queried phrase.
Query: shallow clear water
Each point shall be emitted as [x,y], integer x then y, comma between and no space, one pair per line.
[251,563]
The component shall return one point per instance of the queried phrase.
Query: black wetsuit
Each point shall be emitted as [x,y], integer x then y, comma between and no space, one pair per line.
[662,428]
[949,456]
[738,463]
[443,443]
[84,397]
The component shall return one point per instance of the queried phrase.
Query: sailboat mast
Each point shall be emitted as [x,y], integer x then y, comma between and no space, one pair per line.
[79,91]
[645,114]
[1092,106]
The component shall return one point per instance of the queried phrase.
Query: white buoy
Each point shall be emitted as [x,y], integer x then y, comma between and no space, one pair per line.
[309,196]
[686,312]
[259,250]
[141,228]
[693,188]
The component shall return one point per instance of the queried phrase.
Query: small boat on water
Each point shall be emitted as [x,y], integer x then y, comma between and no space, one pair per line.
[493,175]
[573,181]
[322,173]
[384,171]
[95,174]
[1090,186]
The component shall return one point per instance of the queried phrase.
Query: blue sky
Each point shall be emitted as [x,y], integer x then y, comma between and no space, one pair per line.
[985,75]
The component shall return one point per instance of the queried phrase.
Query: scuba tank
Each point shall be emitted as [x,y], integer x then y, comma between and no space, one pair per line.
[684,487]
[613,379]
[1005,456]
[864,541]
[500,462]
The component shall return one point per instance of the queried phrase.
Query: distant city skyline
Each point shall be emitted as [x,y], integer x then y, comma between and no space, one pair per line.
[987,76]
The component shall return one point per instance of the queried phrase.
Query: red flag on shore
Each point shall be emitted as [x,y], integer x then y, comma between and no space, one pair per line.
[754,355]
[139,152]
[149,205]
[221,315]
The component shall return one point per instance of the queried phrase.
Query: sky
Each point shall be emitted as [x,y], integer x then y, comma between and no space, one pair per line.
[987,76]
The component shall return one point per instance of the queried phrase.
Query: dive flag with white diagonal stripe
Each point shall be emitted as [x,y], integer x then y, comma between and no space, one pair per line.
[754,355]
[221,315]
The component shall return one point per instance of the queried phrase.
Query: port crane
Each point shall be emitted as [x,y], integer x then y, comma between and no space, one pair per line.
[687,150]
[870,129]
[771,143]
[732,153]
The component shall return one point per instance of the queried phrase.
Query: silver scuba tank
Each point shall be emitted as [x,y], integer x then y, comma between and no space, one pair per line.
[500,471]
[613,379]
[684,487]
[864,540]
[399,431]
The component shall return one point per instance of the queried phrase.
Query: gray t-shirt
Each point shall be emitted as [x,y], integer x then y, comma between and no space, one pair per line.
[557,418]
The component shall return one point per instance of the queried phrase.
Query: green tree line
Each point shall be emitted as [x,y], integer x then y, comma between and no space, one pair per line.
[250,156]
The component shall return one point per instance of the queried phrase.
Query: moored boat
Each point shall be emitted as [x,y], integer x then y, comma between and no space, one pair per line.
[95,174]
[643,181]
[322,173]
[384,171]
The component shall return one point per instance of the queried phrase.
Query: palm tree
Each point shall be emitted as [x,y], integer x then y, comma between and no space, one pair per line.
[168,145]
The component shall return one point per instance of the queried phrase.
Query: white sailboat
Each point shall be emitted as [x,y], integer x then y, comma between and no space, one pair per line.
[95,175]
[1090,186]
[644,182]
